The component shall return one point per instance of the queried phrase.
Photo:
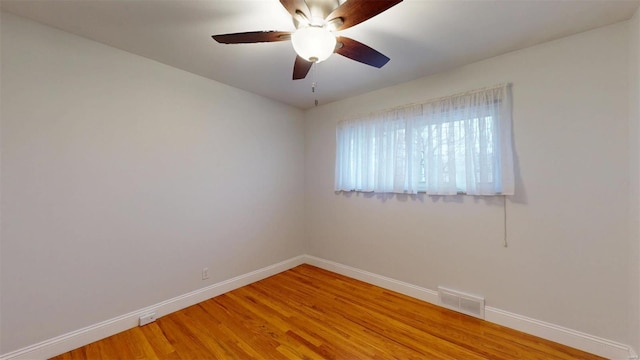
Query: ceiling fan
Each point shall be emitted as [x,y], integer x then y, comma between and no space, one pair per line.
[314,39]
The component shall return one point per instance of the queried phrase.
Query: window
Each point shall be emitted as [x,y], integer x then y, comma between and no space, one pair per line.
[461,143]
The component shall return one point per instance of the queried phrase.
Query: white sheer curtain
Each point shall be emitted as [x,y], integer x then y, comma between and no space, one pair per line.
[460,143]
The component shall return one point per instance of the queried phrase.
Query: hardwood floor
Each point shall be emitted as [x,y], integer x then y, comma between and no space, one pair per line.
[310,313]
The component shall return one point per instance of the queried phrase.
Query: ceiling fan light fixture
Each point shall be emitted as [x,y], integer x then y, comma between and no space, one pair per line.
[314,43]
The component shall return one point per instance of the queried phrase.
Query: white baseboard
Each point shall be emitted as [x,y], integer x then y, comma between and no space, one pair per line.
[81,337]
[89,334]
[375,279]
[576,339]
[589,343]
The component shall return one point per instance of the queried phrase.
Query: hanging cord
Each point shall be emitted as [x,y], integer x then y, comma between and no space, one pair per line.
[504,207]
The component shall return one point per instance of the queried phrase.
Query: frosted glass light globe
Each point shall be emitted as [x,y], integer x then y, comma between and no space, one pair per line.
[313,43]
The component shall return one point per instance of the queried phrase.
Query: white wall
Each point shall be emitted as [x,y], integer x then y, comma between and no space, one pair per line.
[122,178]
[568,226]
[634,167]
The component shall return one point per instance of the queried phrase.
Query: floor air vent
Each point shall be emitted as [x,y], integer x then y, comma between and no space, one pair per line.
[461,302]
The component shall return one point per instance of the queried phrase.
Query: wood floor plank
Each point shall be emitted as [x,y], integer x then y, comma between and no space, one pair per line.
[215,340]
[139,345]
[158,341]
[334,327]
[187,345]
[337,334]
[311,313]
[238,327]
[371,327]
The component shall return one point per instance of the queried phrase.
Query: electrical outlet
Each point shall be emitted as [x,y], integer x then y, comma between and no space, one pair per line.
[205,273]
[147,319]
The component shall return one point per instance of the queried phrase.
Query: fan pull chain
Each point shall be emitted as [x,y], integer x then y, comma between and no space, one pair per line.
[314,82]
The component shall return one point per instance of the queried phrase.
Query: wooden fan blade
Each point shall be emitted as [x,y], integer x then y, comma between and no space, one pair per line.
[252,37]
[301,68]
[360,52]
[293,6]
[353,12]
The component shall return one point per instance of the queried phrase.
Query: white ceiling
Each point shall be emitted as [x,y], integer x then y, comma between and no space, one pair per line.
[422,37]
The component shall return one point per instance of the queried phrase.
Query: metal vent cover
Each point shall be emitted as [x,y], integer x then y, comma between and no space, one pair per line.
[461,302]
